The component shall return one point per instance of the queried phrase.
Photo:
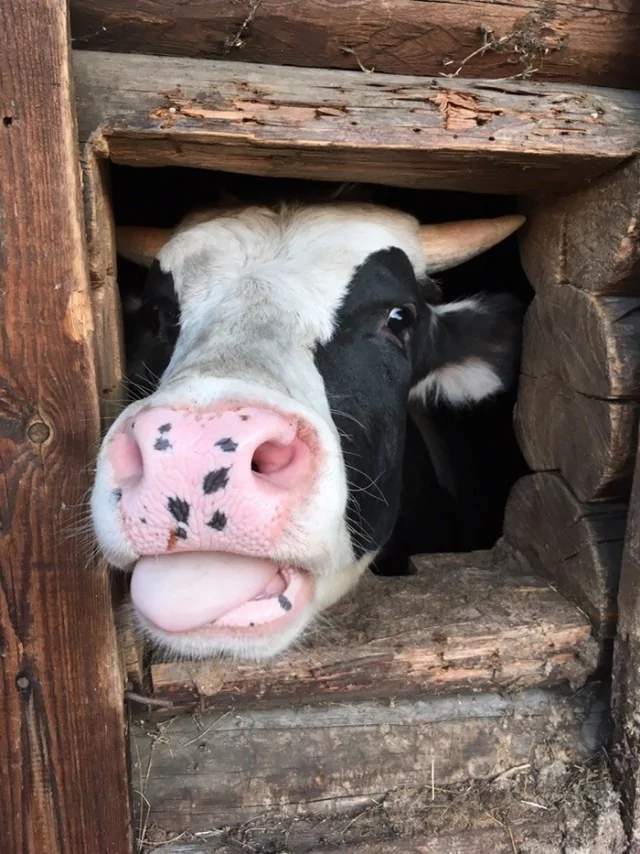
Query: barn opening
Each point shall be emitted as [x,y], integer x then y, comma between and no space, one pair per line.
[480,438]
[480,666]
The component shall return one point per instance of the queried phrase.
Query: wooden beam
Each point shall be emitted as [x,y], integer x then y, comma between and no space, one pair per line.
[105,296]
[577,545]
[507,137]
[591,343]
[273,769]
[573,41]
[590,238]
[590,442]
[62,727]
[467,622]
[626,674]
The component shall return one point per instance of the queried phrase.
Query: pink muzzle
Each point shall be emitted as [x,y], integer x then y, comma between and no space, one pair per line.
[205,496]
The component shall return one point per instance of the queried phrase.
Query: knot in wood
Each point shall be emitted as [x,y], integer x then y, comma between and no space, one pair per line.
[38,432]
[23,684]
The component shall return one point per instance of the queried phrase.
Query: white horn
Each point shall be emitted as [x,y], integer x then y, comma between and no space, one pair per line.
[139,244]
[448,244]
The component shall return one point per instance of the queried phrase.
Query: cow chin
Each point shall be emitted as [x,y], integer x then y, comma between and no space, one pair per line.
[306,596]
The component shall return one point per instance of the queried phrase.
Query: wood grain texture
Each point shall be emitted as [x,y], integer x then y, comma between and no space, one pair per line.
[626,674]
[590,442]
[590,238]
[62,728]
[591,343]
[578,41]
[105,296]
[507,137]
[577,545]
[333,759]
[577,409]
[463,622]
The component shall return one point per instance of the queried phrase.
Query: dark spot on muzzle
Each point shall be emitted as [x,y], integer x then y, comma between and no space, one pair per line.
[227,445]
[161,444]
[215,480]
[179,509]
[117,494]
[218,521]
[164,428]
[284,602]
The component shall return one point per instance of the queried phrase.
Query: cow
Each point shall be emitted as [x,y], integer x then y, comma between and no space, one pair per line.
[262,474]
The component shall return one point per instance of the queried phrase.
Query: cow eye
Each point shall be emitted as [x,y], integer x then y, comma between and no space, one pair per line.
[399,321]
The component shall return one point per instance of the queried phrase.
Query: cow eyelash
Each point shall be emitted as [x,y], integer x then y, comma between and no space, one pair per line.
[399,321]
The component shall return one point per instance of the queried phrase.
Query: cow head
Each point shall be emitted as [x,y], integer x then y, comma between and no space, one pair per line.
[257,481]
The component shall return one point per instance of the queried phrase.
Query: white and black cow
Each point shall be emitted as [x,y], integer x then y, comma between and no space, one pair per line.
[250,490]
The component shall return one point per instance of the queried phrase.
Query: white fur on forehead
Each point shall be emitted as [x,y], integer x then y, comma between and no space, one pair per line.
[296,262]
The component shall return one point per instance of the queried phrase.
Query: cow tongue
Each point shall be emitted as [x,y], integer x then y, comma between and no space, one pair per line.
[178,592]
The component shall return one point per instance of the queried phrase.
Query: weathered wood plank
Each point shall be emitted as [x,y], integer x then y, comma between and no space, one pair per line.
[105,297]
[578,545]
[591,343]
[336,759]
[462,622]
[626,674]
[506,137]
[590,238]
[577,41]
[590,442]
[578,408]
[62,728]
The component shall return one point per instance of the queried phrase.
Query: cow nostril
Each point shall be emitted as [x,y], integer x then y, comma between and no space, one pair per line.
[271,457]
[126,459]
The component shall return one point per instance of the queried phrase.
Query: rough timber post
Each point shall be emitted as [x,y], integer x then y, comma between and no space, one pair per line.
[62,730]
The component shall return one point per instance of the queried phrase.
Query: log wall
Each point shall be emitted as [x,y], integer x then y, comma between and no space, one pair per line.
[576,41]
[508,137]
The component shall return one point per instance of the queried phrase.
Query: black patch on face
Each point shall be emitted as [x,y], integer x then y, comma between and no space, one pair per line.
[215,480]
[179,509]
[368,375]
[143,520]
[218,521]
[284,602]
[164,428]
[161,444]
[180,532]
[367,378]
[117,494]
[151,334]
[244,418]
[227,445]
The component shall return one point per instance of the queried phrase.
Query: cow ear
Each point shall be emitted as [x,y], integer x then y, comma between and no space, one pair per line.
[139,244]
[448,244]
[470,350]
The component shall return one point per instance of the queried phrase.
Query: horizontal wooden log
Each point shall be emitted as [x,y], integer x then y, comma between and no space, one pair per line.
[591,442]
[576,41]
[461,622]
[331,760]
[495,839]
[506,137]
[578,545]
[591,343]
[590,238]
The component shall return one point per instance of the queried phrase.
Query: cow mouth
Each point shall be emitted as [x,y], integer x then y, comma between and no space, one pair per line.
[219,592]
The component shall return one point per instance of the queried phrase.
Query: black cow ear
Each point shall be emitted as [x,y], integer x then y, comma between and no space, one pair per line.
[152,332]
[468,351]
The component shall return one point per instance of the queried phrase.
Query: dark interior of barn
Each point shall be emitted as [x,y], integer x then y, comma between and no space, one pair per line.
[481,438]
